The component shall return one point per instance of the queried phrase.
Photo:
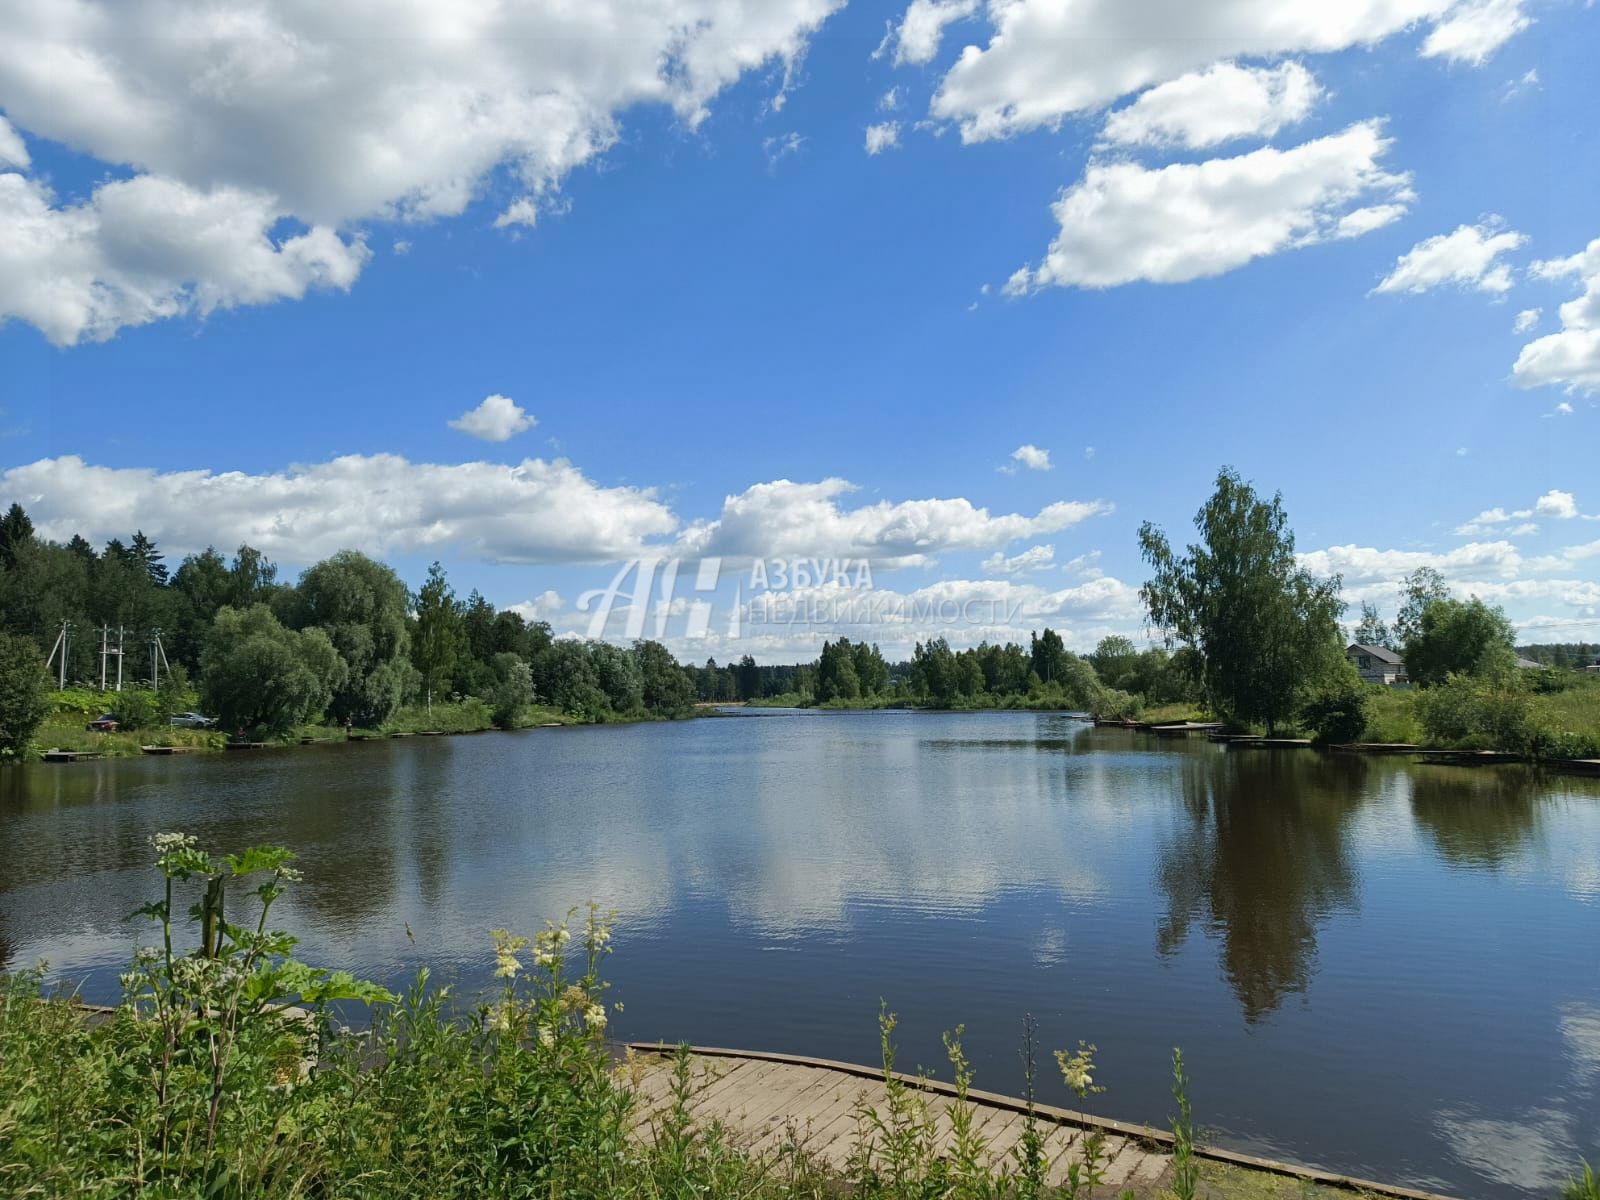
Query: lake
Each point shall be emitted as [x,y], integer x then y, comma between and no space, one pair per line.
[1385,969]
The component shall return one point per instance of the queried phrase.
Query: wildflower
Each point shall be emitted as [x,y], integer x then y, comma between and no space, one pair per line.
[168,843]
[507,964]
[595,1017]
[574,998]
[547,1036]
[1076,1069]
[290,875]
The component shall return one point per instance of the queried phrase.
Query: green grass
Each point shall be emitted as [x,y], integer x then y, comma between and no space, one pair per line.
[65,731]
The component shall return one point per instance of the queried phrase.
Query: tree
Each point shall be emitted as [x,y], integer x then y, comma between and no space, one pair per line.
[258,675]
[144,552]
[1456,637]
[1264,628]
[749,676]
[1417,590]
[1114,660]
[621,677]
[361,605]
[16,531]
[438,632]
[933,671]
[24,692]
[512,691]
[836,673]
[667,690]
[1049,655]
[1373,630]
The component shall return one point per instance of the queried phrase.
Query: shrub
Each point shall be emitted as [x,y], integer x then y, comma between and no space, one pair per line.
[1338,713]
[1478,714]
[24,693]
[137,709]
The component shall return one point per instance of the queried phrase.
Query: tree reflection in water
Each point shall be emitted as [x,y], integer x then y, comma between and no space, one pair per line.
[1261,857]
[1477,817]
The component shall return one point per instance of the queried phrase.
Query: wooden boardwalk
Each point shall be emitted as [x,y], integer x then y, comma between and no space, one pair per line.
[765,1100]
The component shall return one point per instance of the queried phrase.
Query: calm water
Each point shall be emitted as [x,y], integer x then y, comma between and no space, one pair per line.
[1383,969]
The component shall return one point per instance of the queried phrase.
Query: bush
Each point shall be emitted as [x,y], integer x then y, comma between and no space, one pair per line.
[1338,713]
[1478,714]
[24,693]
[137,709]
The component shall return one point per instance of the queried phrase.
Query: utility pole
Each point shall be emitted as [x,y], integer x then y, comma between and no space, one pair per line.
[158,659]
[119,658]
[105,635]
[63,642]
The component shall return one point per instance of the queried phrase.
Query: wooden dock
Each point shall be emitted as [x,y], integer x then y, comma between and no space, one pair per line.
[767,1100]
[167,749]
[244,745]
[68,756]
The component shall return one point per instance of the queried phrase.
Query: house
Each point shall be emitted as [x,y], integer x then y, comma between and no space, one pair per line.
[1527,664]
[1375,664]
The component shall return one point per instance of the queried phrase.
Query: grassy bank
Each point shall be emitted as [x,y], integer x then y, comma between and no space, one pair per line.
[199,1084]
[65,728]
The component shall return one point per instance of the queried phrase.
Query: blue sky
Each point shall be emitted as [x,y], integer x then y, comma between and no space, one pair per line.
[250,270]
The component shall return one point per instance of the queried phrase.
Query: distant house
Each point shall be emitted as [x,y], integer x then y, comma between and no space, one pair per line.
[1527,664]
[1377,665]
[1592,669]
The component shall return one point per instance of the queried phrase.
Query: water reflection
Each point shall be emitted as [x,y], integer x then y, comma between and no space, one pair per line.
[1477,817]
[1262,857]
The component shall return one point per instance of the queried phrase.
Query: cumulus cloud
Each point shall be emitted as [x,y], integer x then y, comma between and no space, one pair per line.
[145,248]
[1223,102]
[922,28]
[12,151]
[1475,30]
[1366,563]
[1034,558]
[1046,59]
[1125,222]
[1526,320]
[268,112]
[534,512]
[885,136]
[497,419]
[1468,258]
[1031,456]
[784,519]
[1570,357]
[1560,505]
[542,607]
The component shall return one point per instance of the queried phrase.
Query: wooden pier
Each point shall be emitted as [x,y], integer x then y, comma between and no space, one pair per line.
[167,749]
[68,756]
[766,1101]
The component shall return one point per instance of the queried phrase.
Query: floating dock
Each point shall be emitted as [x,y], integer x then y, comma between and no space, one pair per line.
[767,1100]
[167,749]
[244,745]
[69,756]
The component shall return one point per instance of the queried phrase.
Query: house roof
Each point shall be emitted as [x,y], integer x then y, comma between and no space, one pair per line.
[1527,664]
[1378,652]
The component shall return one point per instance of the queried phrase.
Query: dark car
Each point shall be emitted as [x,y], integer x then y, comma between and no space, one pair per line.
[105,724]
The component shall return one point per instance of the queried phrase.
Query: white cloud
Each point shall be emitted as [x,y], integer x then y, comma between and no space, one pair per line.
[883,137]
[286,110]
[145,248]
[1526,320]
[13,153]
[1468,258]
[542,607]
[890,100]
[1046,59]
[1032,457]
[1125,222]
[784,144]
[497,419]
[1563,409]
[1034,558]
[785,519]
[1216,105]
[1562,506]
[533,512]
[1475,30]
[1572,356]
[1554,503]
[1365,563]
[922,28]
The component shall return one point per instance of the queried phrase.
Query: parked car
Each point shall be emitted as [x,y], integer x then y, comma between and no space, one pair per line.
[191,720]
[106,723]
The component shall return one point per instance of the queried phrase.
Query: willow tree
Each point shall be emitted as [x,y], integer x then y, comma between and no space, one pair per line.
[1264,629]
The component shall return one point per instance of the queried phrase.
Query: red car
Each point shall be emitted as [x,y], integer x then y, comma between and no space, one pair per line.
[106,724]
